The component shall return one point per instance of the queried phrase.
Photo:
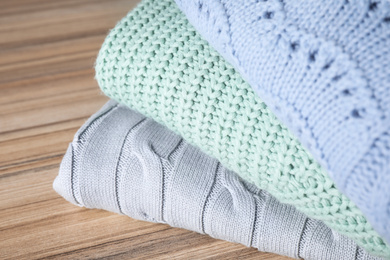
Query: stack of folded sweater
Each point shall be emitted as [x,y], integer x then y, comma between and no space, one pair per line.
[187,139]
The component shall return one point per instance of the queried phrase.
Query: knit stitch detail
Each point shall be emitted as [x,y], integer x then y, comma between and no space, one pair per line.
[323,68]
[155,62]
[183,193]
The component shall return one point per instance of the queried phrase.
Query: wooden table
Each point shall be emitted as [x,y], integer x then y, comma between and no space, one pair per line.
[47,91]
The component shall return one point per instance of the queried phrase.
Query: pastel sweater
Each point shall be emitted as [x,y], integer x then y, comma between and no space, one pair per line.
[155,62]
[126,163]
[323,68]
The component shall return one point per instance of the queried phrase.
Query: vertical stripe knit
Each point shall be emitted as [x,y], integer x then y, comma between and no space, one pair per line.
[145,171]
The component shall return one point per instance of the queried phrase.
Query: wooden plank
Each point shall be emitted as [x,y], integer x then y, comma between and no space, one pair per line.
[47,91]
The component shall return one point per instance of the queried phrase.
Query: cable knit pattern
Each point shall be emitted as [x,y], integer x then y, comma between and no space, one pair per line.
[155,62]
[145,171]
[323,67]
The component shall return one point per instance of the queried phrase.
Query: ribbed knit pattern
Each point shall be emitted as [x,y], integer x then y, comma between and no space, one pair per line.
[145,171]
[323,67]
[155,62]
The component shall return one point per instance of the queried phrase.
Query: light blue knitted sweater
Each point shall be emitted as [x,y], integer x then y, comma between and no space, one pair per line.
[323,67]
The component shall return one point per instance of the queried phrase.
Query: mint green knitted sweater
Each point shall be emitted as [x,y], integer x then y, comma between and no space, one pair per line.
[155,62]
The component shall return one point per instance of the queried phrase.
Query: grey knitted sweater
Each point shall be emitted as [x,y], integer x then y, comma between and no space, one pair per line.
[123,162]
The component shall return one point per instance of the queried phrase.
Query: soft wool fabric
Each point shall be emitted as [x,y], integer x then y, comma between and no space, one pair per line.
[323,67]
[159,65]
[123,162]
[155,62]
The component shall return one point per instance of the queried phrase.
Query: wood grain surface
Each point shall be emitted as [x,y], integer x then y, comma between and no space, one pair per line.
[47,91]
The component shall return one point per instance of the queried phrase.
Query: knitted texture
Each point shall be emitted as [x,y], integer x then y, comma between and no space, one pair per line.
[323,67]
[123,162]
[155,62]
